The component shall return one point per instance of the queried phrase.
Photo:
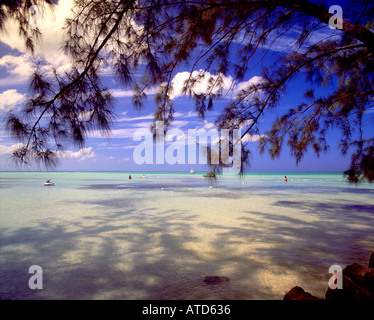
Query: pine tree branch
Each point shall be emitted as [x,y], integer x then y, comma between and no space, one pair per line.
[311,9]
[358,32]
[293,71]
[84,72]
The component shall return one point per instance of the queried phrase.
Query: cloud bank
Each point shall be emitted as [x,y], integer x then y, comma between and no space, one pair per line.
[9,99]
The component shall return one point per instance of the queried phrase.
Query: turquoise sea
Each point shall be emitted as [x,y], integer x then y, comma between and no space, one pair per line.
[99,235]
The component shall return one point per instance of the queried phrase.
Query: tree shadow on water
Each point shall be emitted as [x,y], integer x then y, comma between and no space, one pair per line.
[314,237]
[119,254]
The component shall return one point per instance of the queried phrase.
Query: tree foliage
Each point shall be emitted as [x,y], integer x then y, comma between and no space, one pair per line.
[157,37]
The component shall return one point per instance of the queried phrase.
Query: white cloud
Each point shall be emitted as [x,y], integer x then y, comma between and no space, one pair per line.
[175,136]
[7,150]
[82,154]
[252,137]
[288,41]
[114,134]
[51,27]
[206,82]
[208,125]
[85,115]
[129,147]
[120,93]
[245,124]
[245,84]
[151,116]
[126,118]
[179,124]
[19,69]
[188,114]
[48,50]
[9,99]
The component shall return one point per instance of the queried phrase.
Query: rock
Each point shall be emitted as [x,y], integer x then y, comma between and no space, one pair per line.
[298,293]
[215,280]
[362,276]
[371,261]
[358,285]
[350,292]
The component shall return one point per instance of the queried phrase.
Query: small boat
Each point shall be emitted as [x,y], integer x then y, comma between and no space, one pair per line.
[48,183]
[143,176]
[192,171]
[209,175]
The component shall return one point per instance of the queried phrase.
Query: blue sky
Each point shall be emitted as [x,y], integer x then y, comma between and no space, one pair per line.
[116,153]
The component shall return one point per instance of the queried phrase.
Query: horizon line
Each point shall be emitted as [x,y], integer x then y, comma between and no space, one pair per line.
[184,171]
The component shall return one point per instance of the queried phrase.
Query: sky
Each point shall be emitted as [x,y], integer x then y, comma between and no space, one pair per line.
[118,152]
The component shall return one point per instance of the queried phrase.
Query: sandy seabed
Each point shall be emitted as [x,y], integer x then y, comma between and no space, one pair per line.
[109,238]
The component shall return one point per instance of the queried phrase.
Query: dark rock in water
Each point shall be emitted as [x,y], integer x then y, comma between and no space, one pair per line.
[298,293]
[362,276]
[358,285]
[371,261]
[350,292]
[215,279]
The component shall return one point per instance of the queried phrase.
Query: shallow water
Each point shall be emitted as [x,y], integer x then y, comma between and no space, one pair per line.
[99,235]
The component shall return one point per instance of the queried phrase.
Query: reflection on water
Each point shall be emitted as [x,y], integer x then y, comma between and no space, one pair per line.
[102,236]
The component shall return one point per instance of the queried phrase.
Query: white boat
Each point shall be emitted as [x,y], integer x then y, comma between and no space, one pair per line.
[48,183]
[209,175]
[192,171]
